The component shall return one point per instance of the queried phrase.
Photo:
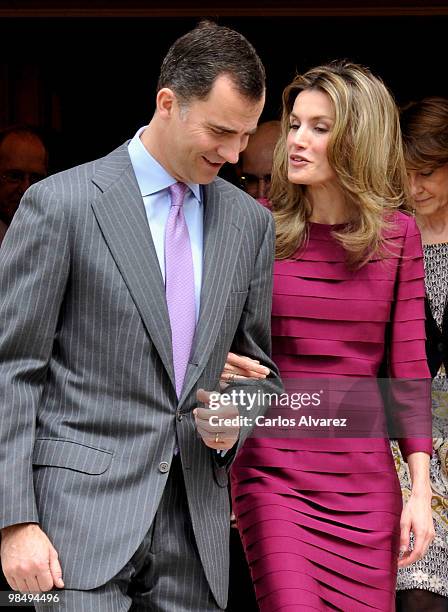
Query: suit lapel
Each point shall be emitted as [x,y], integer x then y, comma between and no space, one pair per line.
[223,229]
[121,216]
[120,213]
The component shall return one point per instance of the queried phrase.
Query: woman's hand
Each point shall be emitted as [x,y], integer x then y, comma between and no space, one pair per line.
[417,515]
[238,367]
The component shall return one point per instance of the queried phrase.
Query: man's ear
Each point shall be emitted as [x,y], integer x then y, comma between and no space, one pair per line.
[165,102]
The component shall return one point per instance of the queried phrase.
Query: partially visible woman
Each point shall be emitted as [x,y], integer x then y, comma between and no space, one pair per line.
[424,585]
[321,519]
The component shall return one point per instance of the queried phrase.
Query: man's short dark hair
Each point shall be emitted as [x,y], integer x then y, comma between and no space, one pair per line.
[198,58]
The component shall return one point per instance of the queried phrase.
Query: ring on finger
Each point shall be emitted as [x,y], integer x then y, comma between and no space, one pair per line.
[217,438]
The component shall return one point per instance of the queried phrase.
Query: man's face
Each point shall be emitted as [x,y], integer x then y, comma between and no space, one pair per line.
[23,161]
[205,134]
[256,175]
[256,161]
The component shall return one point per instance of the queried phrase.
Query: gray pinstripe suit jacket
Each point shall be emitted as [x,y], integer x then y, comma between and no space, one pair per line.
[87,400]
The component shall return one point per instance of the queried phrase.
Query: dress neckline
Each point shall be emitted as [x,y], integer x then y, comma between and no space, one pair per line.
[435,244]
[324,229]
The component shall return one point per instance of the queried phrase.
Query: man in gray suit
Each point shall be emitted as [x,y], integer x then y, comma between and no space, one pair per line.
[124,283]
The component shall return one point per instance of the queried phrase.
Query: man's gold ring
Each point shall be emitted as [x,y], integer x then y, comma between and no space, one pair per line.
[217,438]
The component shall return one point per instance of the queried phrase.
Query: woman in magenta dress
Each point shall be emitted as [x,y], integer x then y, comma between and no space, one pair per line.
[320,518]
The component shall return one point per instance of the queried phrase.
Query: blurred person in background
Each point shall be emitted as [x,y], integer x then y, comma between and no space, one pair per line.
[254,169]
[424,585]
[23,161]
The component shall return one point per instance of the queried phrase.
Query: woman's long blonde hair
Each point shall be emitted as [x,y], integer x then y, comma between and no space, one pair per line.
[365,151]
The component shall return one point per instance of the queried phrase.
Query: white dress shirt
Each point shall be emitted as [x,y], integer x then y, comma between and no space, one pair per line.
[153,181]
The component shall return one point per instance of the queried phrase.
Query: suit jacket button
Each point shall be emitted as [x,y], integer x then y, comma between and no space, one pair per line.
[164,467]
[441,346]
[179,416]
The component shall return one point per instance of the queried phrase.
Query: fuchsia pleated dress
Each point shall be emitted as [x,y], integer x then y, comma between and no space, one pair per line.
[319,518]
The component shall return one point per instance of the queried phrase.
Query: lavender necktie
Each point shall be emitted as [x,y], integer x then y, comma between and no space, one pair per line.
[179,282]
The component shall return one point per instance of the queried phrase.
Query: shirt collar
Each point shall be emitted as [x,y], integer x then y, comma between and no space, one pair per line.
[152,176]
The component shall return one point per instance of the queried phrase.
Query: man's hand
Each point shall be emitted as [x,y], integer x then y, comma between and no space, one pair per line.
[217,433]
[30,562]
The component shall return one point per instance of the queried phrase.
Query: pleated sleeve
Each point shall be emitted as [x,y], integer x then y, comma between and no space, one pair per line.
[409,409]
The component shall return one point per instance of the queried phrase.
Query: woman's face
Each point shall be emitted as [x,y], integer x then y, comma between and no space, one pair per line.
[429,191]
[311,121]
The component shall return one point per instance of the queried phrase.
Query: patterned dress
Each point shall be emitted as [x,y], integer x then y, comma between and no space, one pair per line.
[431,572]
